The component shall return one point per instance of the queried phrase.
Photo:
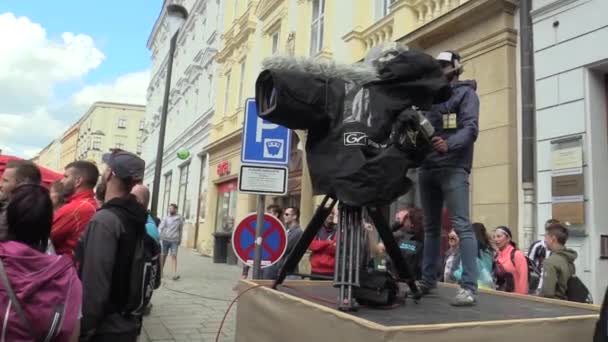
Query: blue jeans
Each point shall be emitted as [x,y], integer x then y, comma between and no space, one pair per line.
[169,247]
[449,185]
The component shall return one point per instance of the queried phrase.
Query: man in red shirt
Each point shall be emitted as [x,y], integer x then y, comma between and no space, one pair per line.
[323,249]
[79,180]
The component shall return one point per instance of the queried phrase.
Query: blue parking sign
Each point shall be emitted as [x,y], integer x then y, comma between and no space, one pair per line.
[263,142]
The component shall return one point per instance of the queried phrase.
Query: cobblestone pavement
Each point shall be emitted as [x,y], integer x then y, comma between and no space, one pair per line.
[182,317]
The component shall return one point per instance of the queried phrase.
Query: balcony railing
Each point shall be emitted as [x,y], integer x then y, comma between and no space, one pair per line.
[428,10]
[378,33]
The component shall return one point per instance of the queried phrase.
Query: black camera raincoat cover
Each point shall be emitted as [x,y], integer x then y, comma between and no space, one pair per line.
[352,114]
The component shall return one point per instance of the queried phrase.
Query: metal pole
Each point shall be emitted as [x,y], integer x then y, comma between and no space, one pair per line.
[257,257]
[163,125]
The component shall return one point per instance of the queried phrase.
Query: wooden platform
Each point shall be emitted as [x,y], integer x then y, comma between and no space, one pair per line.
[304,311]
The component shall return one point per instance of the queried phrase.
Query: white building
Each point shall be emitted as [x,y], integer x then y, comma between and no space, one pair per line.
[571,66]
[191,107]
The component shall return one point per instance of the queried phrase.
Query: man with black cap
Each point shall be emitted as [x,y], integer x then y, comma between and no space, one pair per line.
[107,252]
[444,178]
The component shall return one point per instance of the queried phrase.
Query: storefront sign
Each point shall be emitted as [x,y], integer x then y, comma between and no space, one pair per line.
[568,181]
[568,186]
[223,168]
[263,180]
[567,158]
[570,212]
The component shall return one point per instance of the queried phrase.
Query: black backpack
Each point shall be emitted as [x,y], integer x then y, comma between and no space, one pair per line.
[145,274]
[576,291]
[534,273]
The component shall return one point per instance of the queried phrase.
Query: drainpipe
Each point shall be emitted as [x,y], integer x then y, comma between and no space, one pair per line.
[528,121]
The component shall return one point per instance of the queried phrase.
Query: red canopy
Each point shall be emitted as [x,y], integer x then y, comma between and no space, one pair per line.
[48,175]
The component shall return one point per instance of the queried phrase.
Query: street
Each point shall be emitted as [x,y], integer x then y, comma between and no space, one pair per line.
[184,316]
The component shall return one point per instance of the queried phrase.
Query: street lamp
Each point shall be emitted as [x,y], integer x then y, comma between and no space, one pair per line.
[176,17]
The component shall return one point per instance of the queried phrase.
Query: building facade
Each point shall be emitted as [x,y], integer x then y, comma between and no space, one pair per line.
[50,156]
[69,142]
[191,105]
[571,68]
[485,34]
[483,31]
[108,125]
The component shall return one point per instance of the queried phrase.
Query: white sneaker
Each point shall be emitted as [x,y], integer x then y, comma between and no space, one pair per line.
[464,298]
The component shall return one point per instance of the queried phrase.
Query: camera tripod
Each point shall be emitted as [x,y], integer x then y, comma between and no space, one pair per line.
[348,249]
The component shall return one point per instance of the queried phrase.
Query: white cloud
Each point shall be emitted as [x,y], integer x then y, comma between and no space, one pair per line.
[34,129]
[32,64]
[129,88]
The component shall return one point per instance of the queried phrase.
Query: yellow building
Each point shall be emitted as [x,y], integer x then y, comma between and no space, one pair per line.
[68,141]
[108,125]
[483,31]
[237,58]
[50,156]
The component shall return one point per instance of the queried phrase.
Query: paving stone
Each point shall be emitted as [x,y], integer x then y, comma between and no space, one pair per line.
[182,316]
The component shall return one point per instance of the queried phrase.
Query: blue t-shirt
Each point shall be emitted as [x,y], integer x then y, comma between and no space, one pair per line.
[151,228]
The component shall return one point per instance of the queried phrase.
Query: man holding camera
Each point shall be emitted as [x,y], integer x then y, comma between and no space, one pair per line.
[444,179]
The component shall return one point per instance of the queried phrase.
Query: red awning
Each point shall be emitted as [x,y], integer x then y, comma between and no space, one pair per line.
[48,175]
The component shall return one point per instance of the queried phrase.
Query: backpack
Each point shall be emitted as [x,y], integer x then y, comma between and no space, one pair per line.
[534,273]
[40,295]
[134,283]
[576,291]
[145,275]
[376,288]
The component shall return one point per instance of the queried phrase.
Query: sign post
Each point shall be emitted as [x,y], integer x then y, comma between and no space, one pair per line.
[257,259]
[264,157]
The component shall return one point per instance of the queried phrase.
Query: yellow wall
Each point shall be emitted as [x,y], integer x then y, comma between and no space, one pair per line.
[50,156]
[104,117]
[239,45]
[483,32]
[68,145]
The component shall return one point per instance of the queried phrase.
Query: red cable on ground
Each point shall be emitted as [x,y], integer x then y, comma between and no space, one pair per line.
[217,338]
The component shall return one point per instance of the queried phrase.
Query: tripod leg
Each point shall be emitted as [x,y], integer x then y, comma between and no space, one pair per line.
[405,271]
[309,234]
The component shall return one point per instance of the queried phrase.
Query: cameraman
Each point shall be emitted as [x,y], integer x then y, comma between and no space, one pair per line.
[444,178]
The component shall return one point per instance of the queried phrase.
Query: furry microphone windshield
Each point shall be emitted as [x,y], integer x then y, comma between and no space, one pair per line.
[361,137]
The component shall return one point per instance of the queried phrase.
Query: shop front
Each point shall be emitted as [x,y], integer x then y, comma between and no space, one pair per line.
[225,206]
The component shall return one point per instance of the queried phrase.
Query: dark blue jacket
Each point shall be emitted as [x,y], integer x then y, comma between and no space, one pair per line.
[459,130]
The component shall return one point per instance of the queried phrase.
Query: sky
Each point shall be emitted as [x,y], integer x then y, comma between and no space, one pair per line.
[58,57]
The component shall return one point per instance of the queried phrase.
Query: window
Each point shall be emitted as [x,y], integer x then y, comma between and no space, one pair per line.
[120,145]
[383,8]
[236,9]
[241,85]
[167,193]
[142,125]
[97,143]
[226,206]
[139,147]
[182,192]
[316,31]
[122,123]
[227,93]
[275,42]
